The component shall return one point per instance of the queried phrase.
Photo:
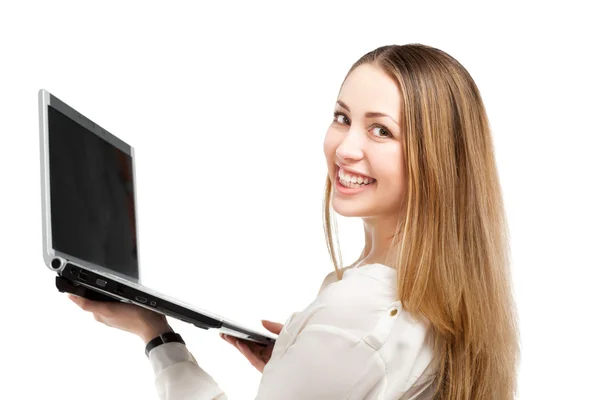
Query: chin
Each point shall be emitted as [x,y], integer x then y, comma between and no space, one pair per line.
[349,208]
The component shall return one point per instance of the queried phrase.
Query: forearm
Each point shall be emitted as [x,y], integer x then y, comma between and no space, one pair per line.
[179,377]
[149,332]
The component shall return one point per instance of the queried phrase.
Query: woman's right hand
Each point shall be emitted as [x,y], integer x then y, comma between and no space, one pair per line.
[258,355]
[146,324]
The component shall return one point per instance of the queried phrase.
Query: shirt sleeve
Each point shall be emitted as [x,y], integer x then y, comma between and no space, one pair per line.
[322,353]
[179,377]
[323,362]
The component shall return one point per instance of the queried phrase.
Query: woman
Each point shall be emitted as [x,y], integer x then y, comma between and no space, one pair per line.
[426,311]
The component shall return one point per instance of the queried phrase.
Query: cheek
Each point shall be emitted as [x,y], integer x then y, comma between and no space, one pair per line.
[391,174]
[330,145]
[397,185]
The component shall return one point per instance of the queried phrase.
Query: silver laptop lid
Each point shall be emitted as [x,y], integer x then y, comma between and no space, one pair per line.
[88,192]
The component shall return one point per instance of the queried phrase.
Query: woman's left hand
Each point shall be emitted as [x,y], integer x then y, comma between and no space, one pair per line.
[258,355]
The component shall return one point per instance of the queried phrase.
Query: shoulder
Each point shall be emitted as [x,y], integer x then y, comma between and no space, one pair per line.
[354,321]
[364,304]
[333,275]
[330,278]
[362,289]
[351,328]
[366,301]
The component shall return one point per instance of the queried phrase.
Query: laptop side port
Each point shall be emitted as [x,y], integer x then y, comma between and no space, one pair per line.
[120,289]
[84,276]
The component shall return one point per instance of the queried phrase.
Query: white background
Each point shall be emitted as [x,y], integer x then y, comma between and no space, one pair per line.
[227,105]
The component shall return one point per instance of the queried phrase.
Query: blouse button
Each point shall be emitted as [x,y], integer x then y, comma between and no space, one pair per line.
[393,312]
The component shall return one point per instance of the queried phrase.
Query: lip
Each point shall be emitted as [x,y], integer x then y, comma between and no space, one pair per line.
[349,191]
[351,171]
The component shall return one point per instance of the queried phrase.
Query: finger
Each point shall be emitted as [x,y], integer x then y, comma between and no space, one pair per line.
[225,338]
[274,327]
[254,347]
[253,358]
[266,353]
[72,297]
[229,339]
[234,342]
[262,352]
[87,304]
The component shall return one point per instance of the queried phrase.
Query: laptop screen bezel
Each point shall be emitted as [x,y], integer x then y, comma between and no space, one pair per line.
[47,99]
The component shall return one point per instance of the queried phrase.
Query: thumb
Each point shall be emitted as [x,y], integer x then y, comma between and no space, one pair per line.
[271,326]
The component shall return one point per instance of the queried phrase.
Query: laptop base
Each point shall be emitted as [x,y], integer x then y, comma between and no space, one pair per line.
[65,286]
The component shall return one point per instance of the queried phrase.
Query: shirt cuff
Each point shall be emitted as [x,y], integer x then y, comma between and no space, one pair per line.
[178,375]
[167,354]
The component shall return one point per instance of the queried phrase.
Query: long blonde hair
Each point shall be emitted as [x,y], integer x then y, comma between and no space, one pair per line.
[453,257]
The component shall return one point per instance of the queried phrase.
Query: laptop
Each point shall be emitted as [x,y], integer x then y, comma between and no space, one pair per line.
[89,218]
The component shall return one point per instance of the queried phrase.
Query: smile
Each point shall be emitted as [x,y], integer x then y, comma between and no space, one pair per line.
[350,183]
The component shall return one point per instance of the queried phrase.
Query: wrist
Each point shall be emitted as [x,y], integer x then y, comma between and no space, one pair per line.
[167,337]
[153,331]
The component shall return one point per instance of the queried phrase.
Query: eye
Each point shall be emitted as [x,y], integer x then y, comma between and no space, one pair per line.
[336,118]
[383,132]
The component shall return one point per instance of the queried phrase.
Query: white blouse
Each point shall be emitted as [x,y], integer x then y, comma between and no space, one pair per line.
[354,341]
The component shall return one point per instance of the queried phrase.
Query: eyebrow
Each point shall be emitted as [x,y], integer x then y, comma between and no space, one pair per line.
[368,114]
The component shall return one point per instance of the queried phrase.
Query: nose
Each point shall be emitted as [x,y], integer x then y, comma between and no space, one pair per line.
[351,147]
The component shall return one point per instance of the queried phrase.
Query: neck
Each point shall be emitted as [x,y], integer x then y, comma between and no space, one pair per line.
[379,233]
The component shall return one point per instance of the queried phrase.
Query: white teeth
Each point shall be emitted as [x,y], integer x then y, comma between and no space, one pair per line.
[353,180]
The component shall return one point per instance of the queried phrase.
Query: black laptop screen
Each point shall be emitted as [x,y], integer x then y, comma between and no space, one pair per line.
[92,197]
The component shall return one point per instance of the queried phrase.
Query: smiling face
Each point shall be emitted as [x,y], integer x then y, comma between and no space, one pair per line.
[363,146]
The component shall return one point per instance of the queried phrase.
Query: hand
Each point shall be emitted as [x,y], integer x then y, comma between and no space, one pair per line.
[146,324]
[258,355]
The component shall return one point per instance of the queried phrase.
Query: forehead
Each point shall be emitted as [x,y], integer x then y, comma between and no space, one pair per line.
[370,88]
